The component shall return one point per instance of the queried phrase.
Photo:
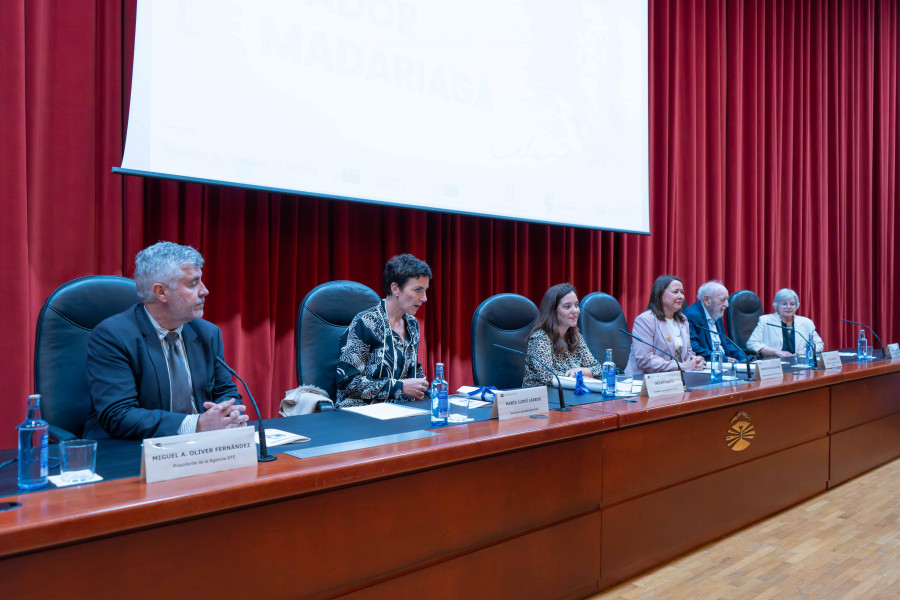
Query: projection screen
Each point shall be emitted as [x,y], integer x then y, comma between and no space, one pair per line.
[520,109]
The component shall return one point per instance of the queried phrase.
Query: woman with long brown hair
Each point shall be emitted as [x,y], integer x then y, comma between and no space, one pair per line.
[556,340]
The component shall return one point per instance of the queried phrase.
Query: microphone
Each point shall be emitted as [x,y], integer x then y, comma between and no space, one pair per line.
[804,338]
[562,403]
[677,364]
[870,329]
[263,455]
[741,350]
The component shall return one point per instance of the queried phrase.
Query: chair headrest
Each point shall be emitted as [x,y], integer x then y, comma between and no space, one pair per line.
[87,301]
[337,302]
[745,301]
[602,307]
[508,312]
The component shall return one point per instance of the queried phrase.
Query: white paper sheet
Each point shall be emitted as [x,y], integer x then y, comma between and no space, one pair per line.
[386,410]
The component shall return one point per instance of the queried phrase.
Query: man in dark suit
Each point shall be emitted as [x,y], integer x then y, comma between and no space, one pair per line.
[706,312]
[152,369]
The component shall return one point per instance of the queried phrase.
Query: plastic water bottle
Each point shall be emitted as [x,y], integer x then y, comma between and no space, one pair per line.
[862,346]
[716,362]
[810,354]
[33,447]
[440,396]
[608,377]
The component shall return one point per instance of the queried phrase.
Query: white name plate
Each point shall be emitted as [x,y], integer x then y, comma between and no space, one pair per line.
[520,403]
[892,351]
[662,384]
[176,456]
[830,360]
[769,369]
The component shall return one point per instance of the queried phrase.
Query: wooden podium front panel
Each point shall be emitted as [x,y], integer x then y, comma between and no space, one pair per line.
[558,562]
[864,400]
[648,457]
[649,530]
[328,543]
[865,425]
[859,449]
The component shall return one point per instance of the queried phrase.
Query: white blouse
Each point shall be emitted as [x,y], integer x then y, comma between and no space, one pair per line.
[676,335]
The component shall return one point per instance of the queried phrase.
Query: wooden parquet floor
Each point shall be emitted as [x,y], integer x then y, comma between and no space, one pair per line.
[842,544]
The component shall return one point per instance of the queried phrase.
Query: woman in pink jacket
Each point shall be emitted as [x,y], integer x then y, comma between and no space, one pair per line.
[664,326]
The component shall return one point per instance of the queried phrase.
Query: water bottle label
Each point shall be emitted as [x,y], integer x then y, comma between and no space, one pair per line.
[45,451]
[443,404]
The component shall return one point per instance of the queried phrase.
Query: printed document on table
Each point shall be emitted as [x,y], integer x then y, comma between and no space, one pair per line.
[277,437]
[387,410]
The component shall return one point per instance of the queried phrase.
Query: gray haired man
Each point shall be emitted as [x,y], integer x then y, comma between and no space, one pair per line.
[152,369]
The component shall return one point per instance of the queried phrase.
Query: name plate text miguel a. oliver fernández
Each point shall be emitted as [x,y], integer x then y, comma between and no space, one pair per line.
[176,456]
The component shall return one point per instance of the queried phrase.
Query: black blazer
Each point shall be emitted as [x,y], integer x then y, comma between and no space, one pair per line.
[701,341]
[129,379]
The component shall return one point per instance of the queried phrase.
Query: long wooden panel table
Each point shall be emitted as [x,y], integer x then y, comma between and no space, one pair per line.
[539,508]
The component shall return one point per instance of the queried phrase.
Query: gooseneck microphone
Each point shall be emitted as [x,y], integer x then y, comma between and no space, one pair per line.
[562,403]
[746,357]
[263,455]
[677,363]
[880,343]
[803,337]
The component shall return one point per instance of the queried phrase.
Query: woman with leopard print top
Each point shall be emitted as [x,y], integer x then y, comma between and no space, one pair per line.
[557,341]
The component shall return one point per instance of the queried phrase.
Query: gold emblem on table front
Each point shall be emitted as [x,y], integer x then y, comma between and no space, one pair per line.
[741,432]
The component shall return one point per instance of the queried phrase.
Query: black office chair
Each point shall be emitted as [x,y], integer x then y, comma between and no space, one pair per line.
[742,314]
[60,351]
[600,319]
[505,319]
[322,319]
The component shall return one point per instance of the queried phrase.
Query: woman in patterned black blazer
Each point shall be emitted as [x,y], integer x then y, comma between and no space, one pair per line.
[379,351]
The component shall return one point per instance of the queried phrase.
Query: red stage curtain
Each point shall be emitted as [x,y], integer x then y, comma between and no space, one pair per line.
[773,163]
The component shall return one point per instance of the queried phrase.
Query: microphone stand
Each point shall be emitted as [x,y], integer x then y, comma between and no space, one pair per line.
[677,363]
[562,403]
[263,455]
[741,350]
[875,335]
[804,338]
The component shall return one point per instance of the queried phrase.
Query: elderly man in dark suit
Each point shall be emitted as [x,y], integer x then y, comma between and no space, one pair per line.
[706,312]
[152,369]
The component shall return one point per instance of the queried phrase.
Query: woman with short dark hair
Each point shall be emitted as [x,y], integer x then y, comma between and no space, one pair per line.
[665,326]
[556,340]
[379,351]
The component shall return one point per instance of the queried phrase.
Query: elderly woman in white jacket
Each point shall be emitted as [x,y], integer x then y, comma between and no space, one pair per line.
[773,341]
